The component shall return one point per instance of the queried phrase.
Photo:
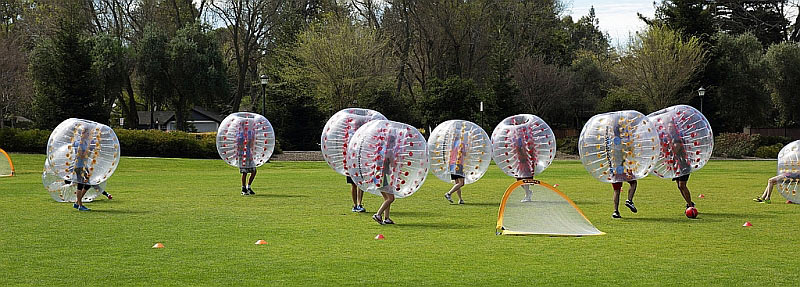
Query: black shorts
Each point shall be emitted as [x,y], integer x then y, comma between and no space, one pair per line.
[455,176]
[350,180]
[684,177]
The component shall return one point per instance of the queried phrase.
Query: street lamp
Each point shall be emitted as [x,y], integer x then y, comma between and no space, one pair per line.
[701,92]
[263,94]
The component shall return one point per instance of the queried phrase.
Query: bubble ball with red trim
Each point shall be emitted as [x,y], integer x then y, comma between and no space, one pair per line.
[460,148]
[618,146]
[789,167]
[523,145]
[83,151]
[685,141]
[389,157]
[245,140]
[339,130]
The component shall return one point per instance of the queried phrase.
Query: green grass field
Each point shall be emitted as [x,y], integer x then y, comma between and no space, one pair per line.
[303,210]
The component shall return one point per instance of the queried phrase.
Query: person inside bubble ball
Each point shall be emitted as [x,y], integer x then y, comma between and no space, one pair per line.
[765,197]
[456,168]
[622,175]
[682,164]
[383,180]
[357,195]
[83,147]
[526,164]
[245,143]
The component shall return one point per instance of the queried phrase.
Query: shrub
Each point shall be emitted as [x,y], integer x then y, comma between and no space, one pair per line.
[769,151]
[567,145]
[132,143]
[733,145]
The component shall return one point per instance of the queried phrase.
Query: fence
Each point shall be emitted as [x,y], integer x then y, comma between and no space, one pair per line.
[793,133]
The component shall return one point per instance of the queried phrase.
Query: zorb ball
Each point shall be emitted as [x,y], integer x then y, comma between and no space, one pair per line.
[789,167]
[339,130]
[618,146]
[389,157]
[62,191]
[685,141]
[459,148]
[523,145]
[83,151]
[245,140]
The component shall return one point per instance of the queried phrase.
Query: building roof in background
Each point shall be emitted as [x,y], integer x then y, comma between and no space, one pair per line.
[160,116]
[163,117]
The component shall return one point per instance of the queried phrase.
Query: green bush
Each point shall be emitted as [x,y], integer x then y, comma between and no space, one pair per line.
[567,145]
[734,145]
[153,143]
[769,151]
[762,141]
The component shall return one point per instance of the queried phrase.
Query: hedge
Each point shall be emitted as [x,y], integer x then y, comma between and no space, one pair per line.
[153,143]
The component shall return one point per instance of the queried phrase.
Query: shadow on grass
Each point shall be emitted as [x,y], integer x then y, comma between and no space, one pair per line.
[119,211]
[481,204]
[662,219]
[412,214]
[432,225]
[734,215]
[276,195]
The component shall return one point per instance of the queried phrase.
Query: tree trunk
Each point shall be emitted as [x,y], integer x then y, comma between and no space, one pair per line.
[133,116]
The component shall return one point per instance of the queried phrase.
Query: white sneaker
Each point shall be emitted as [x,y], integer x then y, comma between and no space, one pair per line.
[526,199]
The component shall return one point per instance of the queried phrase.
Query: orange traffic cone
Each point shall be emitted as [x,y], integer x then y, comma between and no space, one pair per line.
[379,237]
[158,245]
[259,242]
[701,196]
[747,224]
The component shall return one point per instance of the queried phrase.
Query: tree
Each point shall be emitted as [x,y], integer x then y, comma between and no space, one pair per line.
[739,72]
[152,63]
[249,23]
[692,18]
[340,58]
[544,89]
[110,69]
[784,80]
[453,98]
[64,82]
[658,64]
[15,91]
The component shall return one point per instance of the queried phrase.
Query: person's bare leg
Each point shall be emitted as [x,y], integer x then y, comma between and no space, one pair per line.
[770,185]
[460,182]
[388,203]
[354,194]
[252,176]
[80,193]
[360,195]
[528,193]
[457,187]
[687,195]
[632,190]
[616,200]
[244,179]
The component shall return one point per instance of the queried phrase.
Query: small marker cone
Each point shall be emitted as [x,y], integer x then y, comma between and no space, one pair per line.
[158,245]
[555,185]
[379,237]
[260,242]
[747,224]
[789,202]
[701,196]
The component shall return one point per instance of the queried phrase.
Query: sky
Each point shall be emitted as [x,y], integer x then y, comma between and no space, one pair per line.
[617,17]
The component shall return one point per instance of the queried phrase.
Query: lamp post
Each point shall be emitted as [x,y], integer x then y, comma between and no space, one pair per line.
[263,94]
[701,92]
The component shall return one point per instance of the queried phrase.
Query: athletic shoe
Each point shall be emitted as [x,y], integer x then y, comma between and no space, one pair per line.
[616,215]
[526,199]
[690,205]
[83,208]
[758,199]
[447,196]
[361,208]
[75,205]
[388,221]
[629,204]
[245,192]
[355,209]
[250,190]
[460,201]
[378,219]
